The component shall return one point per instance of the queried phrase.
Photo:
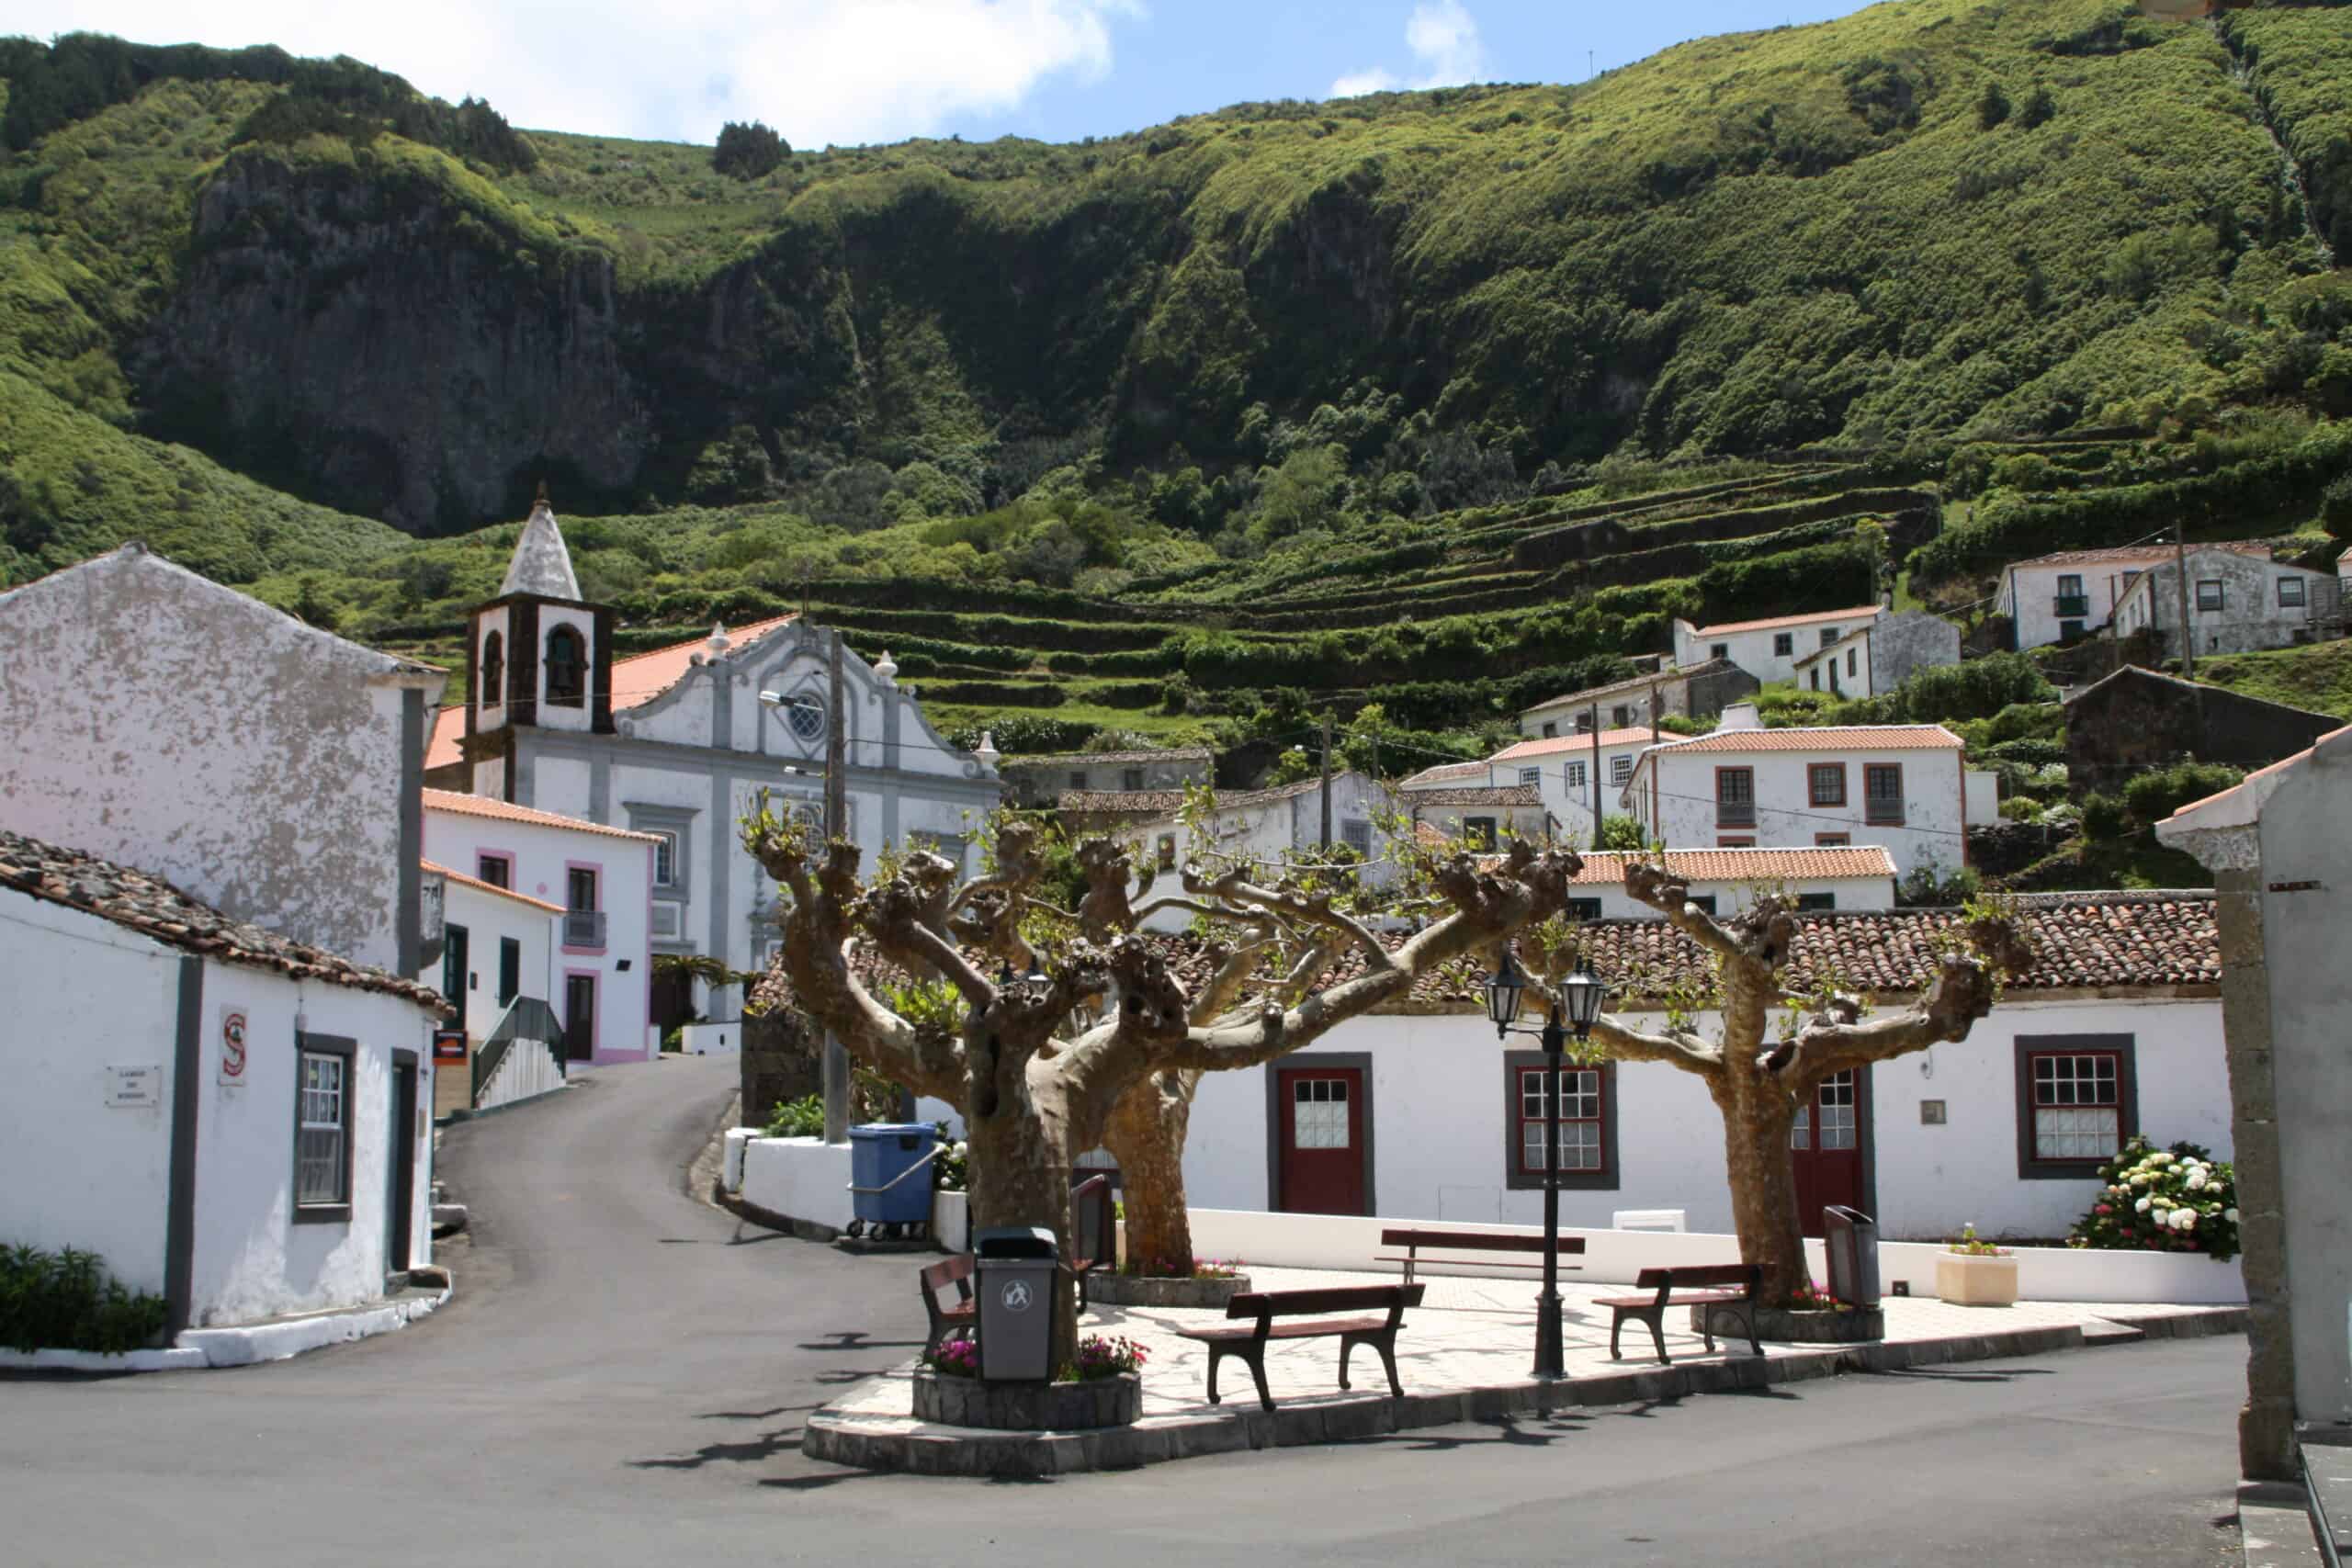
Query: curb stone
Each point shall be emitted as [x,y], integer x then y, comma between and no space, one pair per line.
[861,1438]
[198,1350]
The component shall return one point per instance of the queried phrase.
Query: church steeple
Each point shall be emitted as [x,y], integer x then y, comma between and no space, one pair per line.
[541,564]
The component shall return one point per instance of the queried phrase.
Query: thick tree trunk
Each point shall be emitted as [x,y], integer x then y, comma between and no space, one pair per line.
[1145,1133]
[1019,1164]
[1757,1116]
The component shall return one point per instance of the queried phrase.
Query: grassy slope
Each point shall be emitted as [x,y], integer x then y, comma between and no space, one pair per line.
[2317,678]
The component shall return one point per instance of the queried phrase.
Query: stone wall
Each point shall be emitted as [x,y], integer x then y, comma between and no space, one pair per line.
[1710,695]
[2138,720]
[1911,641]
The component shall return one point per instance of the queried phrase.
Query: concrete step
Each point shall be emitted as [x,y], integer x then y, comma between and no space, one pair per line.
[2276,1534]
[2327,1481]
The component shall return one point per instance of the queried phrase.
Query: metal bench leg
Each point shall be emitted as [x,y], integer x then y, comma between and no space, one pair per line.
[1258,1370]
[1346,1344]
[1386,1346]
[1616,1327]
[1216,1360]
[1656,1321]
[1754,1344]
[1707,1326]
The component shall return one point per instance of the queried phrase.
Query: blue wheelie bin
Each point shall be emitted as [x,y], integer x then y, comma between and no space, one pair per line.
[888,1200]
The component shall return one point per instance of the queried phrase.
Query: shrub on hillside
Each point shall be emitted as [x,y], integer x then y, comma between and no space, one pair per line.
[2156,795]
[2103,817]
[2336,507]
[747,152]
[1974,688]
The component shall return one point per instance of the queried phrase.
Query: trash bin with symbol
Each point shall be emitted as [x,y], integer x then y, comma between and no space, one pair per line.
[1015,1266]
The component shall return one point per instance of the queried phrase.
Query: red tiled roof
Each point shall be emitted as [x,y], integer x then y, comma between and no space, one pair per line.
[1824,737]
[2131,555]
[1641,736]
[483,806]
[1444,772]
[1607,867]
[1789,620]
[157,910]
[636,680]
[2079,941]
[479,886]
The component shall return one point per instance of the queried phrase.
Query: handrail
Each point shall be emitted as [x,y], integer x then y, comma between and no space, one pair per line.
[527,1018]
[922,1163]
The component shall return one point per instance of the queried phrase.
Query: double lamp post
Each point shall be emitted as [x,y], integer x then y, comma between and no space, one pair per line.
[1573,1010]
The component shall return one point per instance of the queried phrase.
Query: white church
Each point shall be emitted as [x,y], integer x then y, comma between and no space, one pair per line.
[678,743]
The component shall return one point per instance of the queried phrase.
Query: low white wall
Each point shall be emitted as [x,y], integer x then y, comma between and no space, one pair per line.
[2045,1274]
[711,1039]
[951,1220]
[801,1178]
[529,1070]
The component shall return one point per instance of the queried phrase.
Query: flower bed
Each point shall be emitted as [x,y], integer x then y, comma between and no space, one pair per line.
[1103,1387]
[2152,1199]
[1815,1317]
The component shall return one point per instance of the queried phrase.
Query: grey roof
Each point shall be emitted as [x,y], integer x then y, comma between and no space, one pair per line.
[1634,684]
[1087,758]
[541,564]
[155,908]
[1490,795]
[1442,775]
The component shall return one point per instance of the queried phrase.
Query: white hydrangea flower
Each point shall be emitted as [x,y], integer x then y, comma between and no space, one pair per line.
[2142,1205]
[2196,1178]
[2230,1215]
[2184,1219]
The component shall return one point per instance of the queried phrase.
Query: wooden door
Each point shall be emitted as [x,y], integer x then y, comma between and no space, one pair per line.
[1322,1126]
[579,1017]
[401,1212]
[1826,1146]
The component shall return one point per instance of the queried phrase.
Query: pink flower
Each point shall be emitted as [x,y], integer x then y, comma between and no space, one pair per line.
[2102,1209]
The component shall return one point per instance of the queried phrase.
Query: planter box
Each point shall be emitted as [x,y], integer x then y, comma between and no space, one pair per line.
[951,1221]
[1105,1289]
[1028,1406]
[1970,1279]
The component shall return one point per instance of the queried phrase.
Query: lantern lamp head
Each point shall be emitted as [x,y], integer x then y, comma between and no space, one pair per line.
[1505,987]
[1582,994]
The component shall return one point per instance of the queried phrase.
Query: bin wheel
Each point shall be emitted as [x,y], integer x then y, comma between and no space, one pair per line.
[857,1229]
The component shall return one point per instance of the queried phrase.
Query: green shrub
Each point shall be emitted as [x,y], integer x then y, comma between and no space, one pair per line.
[802,1118]
[2156,795]
[66,1301]
[2336,506]
[2032,752]
[2179,1200]
[2021,808]
[2104,818]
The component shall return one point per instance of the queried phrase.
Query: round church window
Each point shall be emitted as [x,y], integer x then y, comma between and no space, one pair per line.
[806,716]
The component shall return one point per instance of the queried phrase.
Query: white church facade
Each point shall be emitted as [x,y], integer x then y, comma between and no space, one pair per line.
[677,742]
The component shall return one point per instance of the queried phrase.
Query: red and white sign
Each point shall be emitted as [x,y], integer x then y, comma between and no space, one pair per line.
[232,1047]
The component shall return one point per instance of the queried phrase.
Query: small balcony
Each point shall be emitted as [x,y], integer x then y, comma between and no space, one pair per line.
[583,927]
[2072,607]
[1734,813]
[1883,812]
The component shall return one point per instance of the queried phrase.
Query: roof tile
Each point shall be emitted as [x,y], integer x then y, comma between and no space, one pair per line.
[1818,616]
[1823,738]
[483,806]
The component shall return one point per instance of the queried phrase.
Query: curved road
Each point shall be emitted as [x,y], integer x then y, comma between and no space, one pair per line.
[623,1375]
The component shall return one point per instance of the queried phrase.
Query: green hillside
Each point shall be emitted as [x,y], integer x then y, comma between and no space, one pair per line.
[1435,399]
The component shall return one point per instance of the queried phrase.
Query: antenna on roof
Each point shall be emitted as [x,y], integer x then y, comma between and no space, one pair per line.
[542,499]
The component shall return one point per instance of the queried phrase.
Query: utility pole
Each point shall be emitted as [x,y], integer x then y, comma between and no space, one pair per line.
[1327,779]
[836,1063]
[2188,633]
[1596,776]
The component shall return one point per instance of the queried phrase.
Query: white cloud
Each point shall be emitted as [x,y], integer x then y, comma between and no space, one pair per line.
[1443,37]
[820,71]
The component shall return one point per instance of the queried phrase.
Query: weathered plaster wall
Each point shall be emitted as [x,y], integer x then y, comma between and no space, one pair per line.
[2306,896]
[72,1171]
[2250,617]
[1933,828]
[1902,644]
[154,718]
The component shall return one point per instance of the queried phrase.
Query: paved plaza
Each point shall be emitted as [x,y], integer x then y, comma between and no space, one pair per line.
[1465,1351]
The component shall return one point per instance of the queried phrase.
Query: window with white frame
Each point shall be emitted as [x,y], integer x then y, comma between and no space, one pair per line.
[323,1128]
[1620,770]
[2290,594]
[2208,594]
[1587,1148]
[1531,775]
[2075,1102]
[665,858]
[1573,775]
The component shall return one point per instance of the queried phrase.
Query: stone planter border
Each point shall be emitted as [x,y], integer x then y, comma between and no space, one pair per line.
[1779,1325]
[1977,1278]
[1107,1289]
[1028,1406]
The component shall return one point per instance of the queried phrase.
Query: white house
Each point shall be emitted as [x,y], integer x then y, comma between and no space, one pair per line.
[1768,650]
[1694,691]
[270,768]
[2055,597]
[228,1116]
[678,742]
[1039,778]
[601,877]
[2238,603]
[1570,771]
[1899,785]
[497,967]
[1726,880]
[1442,1123]
[1842,667]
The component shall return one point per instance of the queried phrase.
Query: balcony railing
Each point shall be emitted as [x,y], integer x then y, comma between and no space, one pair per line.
[1882,812]
[1734,813]
[2072,607]
[583,927]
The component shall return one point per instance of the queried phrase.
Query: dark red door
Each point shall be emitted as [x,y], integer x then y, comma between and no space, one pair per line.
[1826,1146]
[1322,1140]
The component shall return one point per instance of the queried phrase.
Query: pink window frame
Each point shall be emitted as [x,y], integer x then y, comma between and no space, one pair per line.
[595,868]
[505,857]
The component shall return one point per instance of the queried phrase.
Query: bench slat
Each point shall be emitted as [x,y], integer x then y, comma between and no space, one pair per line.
[1338,1298]
[1475,1241]
[1319,1328]
[1701,1274]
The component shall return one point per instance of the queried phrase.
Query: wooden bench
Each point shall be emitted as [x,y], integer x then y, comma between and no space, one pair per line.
[1415,1243]
[960,1316]
[1697,1286]
[1267,1306]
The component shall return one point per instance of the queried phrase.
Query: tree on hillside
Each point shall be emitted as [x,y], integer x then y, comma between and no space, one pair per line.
[1760,1078]
[1038,1058]
[2041,108]
[748,152]
[1993,107]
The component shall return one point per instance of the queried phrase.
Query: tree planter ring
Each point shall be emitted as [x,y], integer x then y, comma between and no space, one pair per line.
[1779,1325]
[1028,1406]
[1105,1289]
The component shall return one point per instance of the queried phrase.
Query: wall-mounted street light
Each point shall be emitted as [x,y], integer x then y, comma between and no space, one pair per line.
[1577,1004]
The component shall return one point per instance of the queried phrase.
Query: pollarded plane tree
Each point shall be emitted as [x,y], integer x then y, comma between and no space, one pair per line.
[1037,1064]
[1761,1077]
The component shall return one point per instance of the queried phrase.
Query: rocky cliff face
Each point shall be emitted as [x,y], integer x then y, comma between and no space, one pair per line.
[364,341]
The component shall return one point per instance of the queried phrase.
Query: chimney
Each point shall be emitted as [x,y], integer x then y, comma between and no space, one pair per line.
[1739,716]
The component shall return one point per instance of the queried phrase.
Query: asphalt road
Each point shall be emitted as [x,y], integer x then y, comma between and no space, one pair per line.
[623,1373]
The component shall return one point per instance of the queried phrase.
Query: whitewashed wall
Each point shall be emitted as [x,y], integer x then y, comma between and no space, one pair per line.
[83,995]
[487,919]
[1438,1141]
[1757,651]
[542,853]
[1683,810]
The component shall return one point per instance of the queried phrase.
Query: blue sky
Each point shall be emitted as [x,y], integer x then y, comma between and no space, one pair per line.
[852,71]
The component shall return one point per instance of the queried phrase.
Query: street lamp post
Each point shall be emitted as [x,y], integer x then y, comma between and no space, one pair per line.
[1581,992]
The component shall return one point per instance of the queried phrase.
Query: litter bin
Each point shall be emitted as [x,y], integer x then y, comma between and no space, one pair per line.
[1851,1240]
[1015,1266]
[882,1155]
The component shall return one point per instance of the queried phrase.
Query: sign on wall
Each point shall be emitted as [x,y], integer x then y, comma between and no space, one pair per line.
[448,1044]
[128,1089]
[232,1047]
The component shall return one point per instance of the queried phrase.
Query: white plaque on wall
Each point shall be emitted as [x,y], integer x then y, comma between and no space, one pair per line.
[131,1087]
